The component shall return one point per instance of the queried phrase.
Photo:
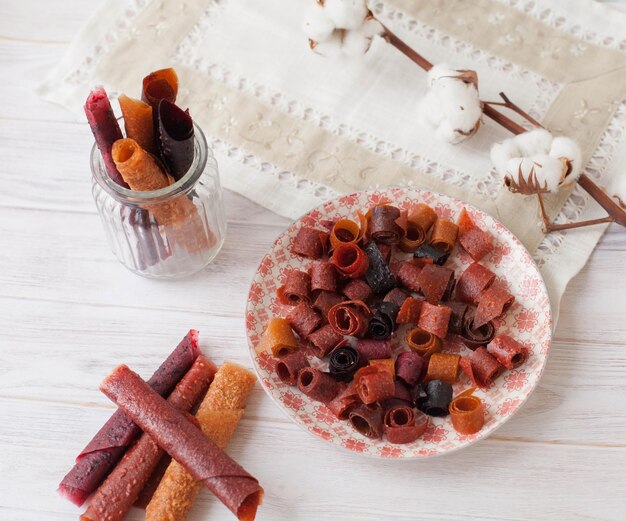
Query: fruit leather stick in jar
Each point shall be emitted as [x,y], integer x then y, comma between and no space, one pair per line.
[115,497]
[158,85]
[105,128]
[218,415]
[138,122]
[202,458]
[175,138]
[109,444]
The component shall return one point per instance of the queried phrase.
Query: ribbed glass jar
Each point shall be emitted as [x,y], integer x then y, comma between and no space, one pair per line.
[166,233]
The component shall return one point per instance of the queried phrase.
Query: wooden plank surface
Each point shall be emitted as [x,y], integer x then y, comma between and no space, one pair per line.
[69,313]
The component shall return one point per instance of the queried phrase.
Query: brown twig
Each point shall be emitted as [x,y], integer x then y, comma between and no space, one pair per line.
[413,55]
[512,106]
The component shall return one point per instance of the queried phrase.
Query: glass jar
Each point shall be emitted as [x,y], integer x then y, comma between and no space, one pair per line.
[166,233]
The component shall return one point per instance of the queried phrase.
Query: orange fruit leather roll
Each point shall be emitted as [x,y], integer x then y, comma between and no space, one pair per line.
[345,231]
[138,122]
[218,415]
[423,342]
[278,338]
[443,236]
[443,366]
[142,172]
[158,85]
[467,412]
[389,364]
[419,220]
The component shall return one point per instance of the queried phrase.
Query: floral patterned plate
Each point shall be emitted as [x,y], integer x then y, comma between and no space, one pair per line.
[529,320]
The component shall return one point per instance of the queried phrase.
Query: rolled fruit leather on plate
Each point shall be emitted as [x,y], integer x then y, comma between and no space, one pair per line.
[350,318]
[296,289]
[474,241]
[219,415]
[96,460]
[288,366]
[278,338]
[443,235]
[115,497]
[202,458]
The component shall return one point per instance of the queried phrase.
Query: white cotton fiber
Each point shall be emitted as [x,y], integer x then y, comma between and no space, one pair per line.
[330,47]
[617,189]
[357,41]
[566,148]
[501,153]
[535,141]
[346,14]
[317,25]
[539,170]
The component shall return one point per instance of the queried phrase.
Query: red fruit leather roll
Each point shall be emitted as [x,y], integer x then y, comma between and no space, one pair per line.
[304,319]
[481,368]
[403,425]
[357,289]
[310,243]
[340,406]
[324,340]
[288,367]
[323,277]
[508,351]
[317,385]
[436,283]
[374,384]
[410,311]
[350,260]
[106,130]
[367,420]
[473,281]
[370,349]
[396,296]
[296,289]
[492,304]
[326,300]
[435,319]
[202,458]
[115,497]
[350,318]
[459,310]
[410,367]
[384,224]
[408,275]
[158,85]
[474,241]
[94,463]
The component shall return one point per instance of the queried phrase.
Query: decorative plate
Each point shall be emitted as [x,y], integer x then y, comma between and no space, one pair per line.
[529,320]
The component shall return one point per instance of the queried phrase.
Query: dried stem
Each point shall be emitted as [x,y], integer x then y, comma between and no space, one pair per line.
[414,56]
[512,106]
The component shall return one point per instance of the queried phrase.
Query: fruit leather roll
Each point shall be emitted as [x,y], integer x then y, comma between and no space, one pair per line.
[175,138]
[403,425]
[202,458]
[420,218]
[473,281]
[158,85]
[435,319]
[436,283]
[310,243]
[326,300]
[410,311]
[408,275]
[106,130]
[474,241]
[109,444]
[357,289]
[296,289]
[378,275]
[218,415]
[318,385]
[508,351]
[323,277]
[138,122]
[304,319]
[386,224]
[120,490]
[288,366]
[371,349]
[324,340]
[423,342]
[492,303]
[350,260]
[444,234]
[350,318]
[278,338]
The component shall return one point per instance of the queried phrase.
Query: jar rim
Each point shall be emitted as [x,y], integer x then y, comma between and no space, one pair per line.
[183,185]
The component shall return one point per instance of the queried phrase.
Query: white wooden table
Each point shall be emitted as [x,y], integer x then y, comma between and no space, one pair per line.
[69,312]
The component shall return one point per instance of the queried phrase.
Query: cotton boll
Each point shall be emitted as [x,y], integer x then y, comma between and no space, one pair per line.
[331,47]
[346,14]
[357,42]
[371,28]
[501,153]
[428,111]
[440,70]
[448,133]
[317,25]
[533,142]
[617,189]
[527,175]
[566,148]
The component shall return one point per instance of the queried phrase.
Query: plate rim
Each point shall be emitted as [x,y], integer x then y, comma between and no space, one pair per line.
[414,457]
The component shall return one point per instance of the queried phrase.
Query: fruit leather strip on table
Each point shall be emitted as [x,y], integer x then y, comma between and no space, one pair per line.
[288,367]
[203,459]
[444,234]
[310,243]
[436,283]
[472,282]
[474,241]
[378,275]
[175,138]
[492,304]
[115,497]
[106,130]
[508,351]
[218,415]
[481,368]
[435,319]
[296,289]
[109,444]
[138,122]
[467,413]
[318,385]
[403,425]
[158,85]
[323,277]
[278,338]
